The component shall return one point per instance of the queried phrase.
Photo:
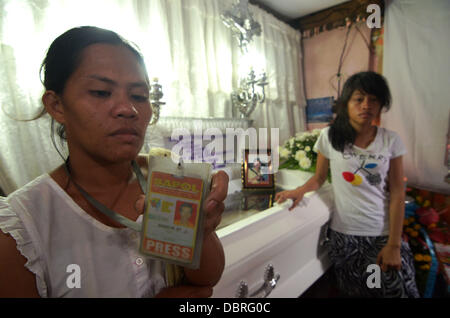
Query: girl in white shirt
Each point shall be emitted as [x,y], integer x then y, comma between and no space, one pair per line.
[367,180]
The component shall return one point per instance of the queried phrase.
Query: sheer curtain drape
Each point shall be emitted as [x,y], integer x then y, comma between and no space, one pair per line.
[417,66]
[185,45]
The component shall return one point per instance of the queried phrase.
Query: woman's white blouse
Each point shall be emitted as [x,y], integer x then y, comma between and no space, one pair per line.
[71,253]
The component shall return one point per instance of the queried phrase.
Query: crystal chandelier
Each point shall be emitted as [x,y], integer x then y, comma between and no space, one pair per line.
[155,95]
[249,94]
[240,20]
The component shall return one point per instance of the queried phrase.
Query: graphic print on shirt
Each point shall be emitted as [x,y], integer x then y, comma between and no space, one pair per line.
[365,170]
[355,179]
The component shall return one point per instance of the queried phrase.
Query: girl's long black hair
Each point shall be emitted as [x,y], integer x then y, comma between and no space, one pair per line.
[341,132]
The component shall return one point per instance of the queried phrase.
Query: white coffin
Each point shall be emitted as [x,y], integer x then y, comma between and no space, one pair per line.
[289,240]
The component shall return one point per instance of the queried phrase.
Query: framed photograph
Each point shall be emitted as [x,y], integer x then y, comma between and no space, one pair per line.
[257,201]
[257,170]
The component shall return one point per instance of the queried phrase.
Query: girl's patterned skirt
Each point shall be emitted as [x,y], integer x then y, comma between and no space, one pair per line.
[352,256]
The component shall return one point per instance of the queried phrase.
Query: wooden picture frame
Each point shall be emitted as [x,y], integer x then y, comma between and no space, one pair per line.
[257,172]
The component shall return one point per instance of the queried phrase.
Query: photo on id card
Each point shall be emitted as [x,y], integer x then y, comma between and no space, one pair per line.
[173,220]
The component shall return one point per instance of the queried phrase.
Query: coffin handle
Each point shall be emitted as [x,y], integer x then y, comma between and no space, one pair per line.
[270,282]
[242,291]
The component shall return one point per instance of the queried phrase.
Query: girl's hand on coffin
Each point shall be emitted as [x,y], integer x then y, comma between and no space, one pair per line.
[295,195]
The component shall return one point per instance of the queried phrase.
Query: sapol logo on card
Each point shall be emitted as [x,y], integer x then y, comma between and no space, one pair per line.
[177,185]
[184,187]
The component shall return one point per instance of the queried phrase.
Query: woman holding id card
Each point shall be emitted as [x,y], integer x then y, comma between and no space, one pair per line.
[57,240]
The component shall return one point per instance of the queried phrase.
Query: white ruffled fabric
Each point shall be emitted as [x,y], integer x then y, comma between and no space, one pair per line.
[112,267]
[11,224]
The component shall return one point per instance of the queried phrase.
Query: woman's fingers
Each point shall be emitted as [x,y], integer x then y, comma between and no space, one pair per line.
[296,196]
[139,204]
[397,267]
[387,261]
[295,203]
[213,217]
[280,197]
[219,187]
[214,206]
[379,259]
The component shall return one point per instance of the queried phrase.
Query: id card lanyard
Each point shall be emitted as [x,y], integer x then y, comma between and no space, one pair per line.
[105,210]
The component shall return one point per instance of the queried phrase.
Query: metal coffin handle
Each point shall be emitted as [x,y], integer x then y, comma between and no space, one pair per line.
[270,282]
[242,291]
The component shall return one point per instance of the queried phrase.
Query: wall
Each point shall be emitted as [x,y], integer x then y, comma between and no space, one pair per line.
[321,54]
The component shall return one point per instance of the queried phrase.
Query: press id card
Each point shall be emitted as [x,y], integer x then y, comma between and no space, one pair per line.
[172,228]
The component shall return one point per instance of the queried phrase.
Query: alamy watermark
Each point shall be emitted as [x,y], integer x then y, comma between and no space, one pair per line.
[74,278]
[226,148]
[374,279]
[373,20]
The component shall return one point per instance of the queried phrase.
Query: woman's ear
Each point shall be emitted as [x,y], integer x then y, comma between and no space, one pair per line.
[54,106]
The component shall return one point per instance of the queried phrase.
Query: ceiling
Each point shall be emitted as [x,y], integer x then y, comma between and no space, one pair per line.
[293,9]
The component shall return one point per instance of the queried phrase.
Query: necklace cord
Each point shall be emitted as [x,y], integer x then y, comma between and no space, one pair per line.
[105,210]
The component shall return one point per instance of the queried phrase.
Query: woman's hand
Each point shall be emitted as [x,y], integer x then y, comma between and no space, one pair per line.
[389,258]
[296,195]
[212,261]
[213,205]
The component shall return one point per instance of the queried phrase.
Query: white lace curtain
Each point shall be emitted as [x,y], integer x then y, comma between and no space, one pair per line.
[185,45]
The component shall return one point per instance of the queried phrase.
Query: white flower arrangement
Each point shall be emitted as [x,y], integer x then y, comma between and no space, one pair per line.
[298,152]
[160,152]
[305,163]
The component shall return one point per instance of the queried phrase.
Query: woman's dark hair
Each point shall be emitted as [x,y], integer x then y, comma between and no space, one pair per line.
[64,56]
[341,132]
